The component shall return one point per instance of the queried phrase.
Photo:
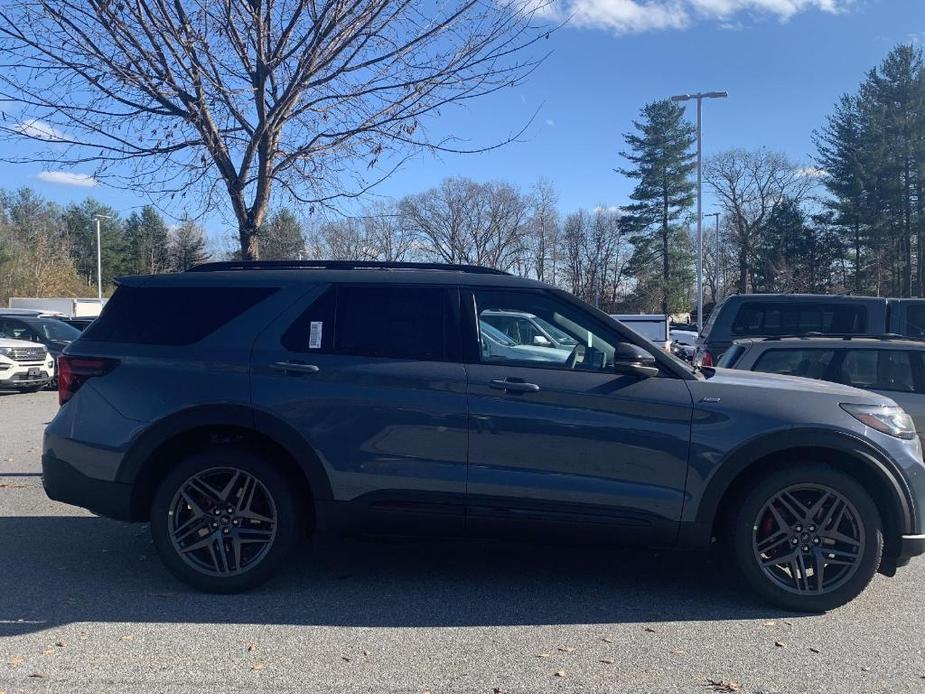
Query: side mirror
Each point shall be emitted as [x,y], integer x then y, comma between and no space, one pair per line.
[630,359]
[541,341]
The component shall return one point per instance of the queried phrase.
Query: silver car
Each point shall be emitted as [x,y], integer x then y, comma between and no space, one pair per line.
[891,366]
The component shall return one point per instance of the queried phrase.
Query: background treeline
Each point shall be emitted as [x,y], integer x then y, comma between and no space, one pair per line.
[851,218]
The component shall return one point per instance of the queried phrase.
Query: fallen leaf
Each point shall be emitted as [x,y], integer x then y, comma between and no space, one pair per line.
[38,676]
[258,666]
[560,673]
[127,637]
[60,644]
[542,655]
[565,649]
[49,651]
[16,661]
[723,686]
[780,644]
[251,648]
[497,690]
[607,639]
[649,630]
[345,658]
[678,652]
[770,624]
[608,661]
[865,669]
[814,650]
[366,654]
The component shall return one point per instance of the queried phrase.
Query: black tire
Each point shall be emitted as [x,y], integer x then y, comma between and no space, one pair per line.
[168,506]
[30,389]
[752,519]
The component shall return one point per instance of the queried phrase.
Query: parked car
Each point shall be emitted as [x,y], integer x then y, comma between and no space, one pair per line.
[527,329]
[684,344]
[77,323]
[24,366]
[496,344]
[271,397]
[51,332]
[890,366]
[769,315]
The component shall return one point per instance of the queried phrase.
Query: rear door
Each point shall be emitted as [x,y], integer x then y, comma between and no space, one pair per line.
[366,375]
[562,444]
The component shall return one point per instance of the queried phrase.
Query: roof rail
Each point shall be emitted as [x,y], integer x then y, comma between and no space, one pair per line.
[840,336]
[221,266]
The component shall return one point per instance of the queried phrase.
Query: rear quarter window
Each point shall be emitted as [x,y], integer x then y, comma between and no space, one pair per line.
[806,363]
[171,316]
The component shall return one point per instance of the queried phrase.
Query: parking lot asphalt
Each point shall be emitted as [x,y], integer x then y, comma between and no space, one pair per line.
[85,606]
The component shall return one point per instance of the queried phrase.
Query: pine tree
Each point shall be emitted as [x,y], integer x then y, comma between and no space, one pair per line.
[147,242]
[281,237]
[660,152]
[187,247]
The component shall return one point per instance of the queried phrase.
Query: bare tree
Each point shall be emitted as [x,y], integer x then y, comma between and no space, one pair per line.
[750,185]
[377,234]
[462,221]
[596,252]
[543,232]
[222,101]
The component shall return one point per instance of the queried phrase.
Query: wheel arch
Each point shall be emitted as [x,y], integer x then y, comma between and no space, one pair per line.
[843,451]
[152,454]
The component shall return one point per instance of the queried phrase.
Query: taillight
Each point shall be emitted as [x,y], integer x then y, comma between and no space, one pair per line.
[706,359]
[73,372]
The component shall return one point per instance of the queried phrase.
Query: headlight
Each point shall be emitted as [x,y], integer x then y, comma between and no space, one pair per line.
[5,350]
[888,419]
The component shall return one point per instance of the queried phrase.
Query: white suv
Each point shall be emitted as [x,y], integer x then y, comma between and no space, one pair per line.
[24,366]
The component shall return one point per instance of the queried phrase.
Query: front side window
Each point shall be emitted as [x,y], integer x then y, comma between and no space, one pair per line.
[915,320]
[535,329]
[394,322]
[806,363]
[878,369]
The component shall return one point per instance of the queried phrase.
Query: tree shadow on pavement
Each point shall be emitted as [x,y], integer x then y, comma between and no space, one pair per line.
[59,570]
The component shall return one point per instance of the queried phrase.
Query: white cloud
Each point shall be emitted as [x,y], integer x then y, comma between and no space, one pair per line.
[634,16]
[811,172]
[67,178]
[40,130]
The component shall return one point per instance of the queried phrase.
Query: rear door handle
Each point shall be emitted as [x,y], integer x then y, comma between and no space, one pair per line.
[513,386]
[295,367]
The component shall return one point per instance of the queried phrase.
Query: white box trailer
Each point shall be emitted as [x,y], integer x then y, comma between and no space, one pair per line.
[653,326]
[72,308]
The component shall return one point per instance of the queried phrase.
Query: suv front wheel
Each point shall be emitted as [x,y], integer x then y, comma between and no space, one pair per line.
[808,538]
[224,520]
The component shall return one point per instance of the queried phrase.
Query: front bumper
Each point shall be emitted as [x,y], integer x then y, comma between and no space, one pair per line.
[65,483]
[911,546]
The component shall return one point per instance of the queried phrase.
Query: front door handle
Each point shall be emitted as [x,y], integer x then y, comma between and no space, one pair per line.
[295,367]
[514,386]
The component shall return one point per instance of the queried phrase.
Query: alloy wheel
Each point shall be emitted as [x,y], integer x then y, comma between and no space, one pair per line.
[808,539]
[222,521]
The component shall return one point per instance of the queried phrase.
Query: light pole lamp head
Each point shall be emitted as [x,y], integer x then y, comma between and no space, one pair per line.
[715,95]
[681,97]
[102,216]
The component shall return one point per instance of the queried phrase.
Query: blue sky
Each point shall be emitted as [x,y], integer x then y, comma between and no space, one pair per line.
[784,65]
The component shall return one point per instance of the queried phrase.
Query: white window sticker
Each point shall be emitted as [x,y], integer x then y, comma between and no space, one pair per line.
[314,335]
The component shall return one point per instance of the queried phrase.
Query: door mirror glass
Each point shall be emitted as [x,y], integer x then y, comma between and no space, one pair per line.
[630,359]
[541,341]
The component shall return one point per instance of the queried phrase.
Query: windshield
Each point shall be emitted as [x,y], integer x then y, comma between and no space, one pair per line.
[557,333]
[54,330]
[492,333]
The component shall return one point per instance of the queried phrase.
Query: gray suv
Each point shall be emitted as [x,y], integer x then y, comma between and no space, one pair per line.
[271,398]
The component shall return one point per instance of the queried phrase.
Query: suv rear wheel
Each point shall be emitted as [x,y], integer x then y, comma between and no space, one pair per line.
[808,538]
[224,520]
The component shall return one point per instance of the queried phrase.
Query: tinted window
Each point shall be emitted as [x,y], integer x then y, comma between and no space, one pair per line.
[807,363]
[318,318]
[170,315]
[16,330]
[396,322]
[878,369]
[797,318]
[53,329]
[532,329]
[915,320]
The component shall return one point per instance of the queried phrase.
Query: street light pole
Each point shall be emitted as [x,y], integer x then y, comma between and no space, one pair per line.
[99,256]
[700,96]
[715,215]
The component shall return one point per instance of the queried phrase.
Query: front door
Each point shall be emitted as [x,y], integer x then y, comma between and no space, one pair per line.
[560,442]
[365,376]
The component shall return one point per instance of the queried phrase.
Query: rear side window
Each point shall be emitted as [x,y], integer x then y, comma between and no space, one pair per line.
[395,322]
[806,363]
[797,318]
[879,369]
[171,315]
